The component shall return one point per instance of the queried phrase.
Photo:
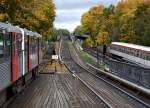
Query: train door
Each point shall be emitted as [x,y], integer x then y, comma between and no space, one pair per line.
[15,61]
[30,54]
[34,52]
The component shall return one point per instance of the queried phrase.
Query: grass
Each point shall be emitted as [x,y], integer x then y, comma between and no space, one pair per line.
[86,57]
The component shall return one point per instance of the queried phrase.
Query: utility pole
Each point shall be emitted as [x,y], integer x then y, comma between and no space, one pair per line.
[97,55]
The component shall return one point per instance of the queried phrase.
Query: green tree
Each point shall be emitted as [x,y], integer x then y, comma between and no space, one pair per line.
[35,15]
[103,38]
[128,21]
[88,42]
[57,33]
[141,24]
[79,30]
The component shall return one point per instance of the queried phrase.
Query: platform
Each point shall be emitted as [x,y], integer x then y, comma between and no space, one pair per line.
[58,90]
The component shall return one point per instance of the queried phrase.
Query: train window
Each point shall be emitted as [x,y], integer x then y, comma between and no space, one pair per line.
[1,45]
[34,45]
[26,43]
[137,53]
[149,57]
[126,50]
[7,45]
[146,56]
[132,52]
[19,43]
[140,54]
[143,55]
[129,51]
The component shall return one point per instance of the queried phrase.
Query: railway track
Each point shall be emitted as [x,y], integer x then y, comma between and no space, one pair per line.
[94,54]
[111,96]
[137,94]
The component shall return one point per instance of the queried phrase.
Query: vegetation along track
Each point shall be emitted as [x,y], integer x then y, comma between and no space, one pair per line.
[112,96]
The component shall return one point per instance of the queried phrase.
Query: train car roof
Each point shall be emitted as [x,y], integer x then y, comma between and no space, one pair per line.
[37,34]
[30,33]
[9,28]
[144,48]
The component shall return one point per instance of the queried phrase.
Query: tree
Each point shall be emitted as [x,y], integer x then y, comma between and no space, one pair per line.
[35,15]
[141,24]
[57,33]
[128,21]
[102,38]
[79,30]
[90,20]
[88,42]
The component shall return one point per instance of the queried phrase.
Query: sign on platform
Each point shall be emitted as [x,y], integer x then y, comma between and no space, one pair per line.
[55,57]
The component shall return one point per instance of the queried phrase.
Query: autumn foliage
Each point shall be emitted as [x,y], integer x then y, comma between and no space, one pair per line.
[127,21]
[36,15]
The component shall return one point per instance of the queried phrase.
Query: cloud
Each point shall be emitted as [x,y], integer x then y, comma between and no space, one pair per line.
[69,16]
[74,4]
[69,12]
[68,25]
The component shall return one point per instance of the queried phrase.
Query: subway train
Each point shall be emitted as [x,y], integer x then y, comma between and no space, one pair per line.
[127,61]
[137,54]
[131,52]
[20,57]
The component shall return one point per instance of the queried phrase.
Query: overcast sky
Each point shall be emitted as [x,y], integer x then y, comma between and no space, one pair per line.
[69,11]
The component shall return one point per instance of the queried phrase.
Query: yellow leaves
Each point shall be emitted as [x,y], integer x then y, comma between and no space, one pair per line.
[102,38]
[40,15]
[91,18]
[129,5]
[124,38]
[88,42]
[36,15]
[3,16]
[97,10]
[128,21]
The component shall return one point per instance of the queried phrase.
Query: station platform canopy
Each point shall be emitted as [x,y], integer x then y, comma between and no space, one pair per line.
[81,37]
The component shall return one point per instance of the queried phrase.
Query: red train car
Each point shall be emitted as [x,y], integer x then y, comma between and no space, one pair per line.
[20,56]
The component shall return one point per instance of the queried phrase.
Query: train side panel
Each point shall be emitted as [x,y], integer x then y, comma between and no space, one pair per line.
[131,58]
[5,60]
